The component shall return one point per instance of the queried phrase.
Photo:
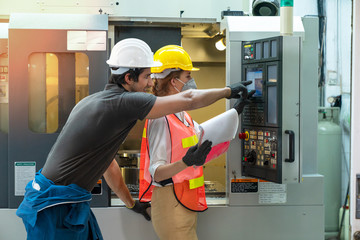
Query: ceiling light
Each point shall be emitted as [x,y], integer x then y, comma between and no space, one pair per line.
[220,45]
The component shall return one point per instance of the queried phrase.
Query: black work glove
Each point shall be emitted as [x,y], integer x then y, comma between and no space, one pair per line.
[242,102]
[238,87]
[197,155]
[140,208]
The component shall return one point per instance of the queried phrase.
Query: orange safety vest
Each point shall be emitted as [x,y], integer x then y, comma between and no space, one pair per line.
[188,184]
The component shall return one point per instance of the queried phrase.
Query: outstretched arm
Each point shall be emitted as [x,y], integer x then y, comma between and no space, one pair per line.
[188,100]
[194,98]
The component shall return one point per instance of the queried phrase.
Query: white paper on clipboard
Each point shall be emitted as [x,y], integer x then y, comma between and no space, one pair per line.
[221,128]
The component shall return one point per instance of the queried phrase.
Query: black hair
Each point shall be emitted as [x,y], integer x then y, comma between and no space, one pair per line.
[119,79]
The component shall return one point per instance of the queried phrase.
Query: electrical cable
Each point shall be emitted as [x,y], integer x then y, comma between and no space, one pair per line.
[322,37]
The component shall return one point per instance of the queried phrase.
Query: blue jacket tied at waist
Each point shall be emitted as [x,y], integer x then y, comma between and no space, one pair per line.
[52,211]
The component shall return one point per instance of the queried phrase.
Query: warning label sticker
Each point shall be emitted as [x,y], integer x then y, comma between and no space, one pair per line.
[245,185]
[24,172]
[271,193]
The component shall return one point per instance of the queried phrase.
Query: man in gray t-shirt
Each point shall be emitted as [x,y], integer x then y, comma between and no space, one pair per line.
[98,124]
[92,135]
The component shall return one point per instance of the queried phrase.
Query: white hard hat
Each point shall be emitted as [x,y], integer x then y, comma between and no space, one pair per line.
[132,53]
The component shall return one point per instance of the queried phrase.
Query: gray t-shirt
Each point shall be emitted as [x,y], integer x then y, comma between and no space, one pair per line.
[92,135]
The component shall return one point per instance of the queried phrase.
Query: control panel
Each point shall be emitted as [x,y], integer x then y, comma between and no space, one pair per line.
[260,152]
[261,148]
[270,123]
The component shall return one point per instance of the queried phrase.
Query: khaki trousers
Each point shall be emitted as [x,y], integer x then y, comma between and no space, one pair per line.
[171,221]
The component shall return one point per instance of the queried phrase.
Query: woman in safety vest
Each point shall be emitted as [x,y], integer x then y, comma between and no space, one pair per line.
[172,181]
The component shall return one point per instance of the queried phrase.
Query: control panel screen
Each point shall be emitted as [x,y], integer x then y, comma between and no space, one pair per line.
[256,76]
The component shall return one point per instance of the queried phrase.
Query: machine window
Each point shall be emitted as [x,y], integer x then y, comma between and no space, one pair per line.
[81,76]
[266,50]
[45,92]
[272,105]
[257,50]
[272,73]
[274,48]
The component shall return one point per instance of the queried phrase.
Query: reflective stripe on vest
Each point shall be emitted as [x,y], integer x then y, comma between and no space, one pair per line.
[196,182]
[189,141]
[144,132]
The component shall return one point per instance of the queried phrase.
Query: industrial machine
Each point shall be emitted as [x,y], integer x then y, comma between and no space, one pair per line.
[272,165]
[273,189]
[270,124]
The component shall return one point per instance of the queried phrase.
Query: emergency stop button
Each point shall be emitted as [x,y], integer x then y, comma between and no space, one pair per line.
[244,135]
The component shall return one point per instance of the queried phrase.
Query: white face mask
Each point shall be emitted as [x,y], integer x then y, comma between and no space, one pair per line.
[188,85]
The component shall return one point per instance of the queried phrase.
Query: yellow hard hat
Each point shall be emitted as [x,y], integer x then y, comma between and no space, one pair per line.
[172,56]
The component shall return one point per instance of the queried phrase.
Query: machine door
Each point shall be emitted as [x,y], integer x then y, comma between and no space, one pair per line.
[50,70]
[270,124]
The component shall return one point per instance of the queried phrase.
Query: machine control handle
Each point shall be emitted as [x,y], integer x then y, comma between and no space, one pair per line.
[250,157]
[291,146]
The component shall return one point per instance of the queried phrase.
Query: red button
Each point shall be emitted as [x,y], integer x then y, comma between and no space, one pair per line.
[242,135]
